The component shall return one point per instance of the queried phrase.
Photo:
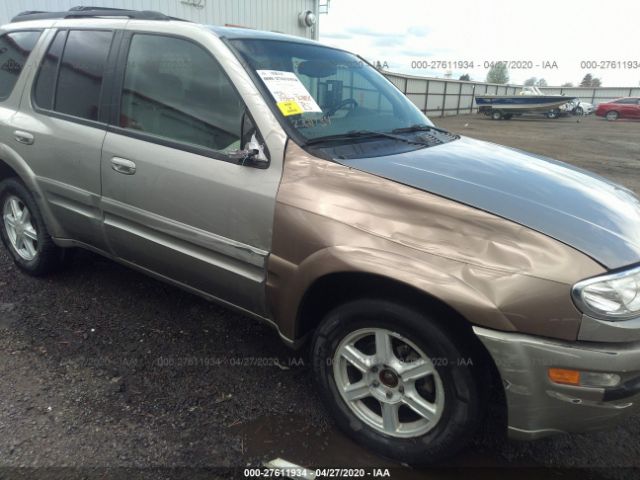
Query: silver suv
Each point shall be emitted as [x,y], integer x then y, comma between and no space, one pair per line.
[293,182]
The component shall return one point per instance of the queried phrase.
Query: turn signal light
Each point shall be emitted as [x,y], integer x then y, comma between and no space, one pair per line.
[564,376]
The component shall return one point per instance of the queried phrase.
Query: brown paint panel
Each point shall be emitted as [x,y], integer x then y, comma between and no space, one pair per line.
[330,218]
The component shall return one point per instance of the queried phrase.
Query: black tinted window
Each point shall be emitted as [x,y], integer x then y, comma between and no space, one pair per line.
[82,72]
[15,48]
[176,90]
[46,81]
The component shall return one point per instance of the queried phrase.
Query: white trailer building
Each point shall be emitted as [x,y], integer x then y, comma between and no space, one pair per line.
[294,17]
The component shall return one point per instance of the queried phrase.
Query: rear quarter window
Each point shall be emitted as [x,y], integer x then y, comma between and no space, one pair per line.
[47,76]
[15,48]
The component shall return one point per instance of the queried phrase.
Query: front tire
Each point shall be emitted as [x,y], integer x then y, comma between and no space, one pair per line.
[397,381]
[612,116]
[23,231]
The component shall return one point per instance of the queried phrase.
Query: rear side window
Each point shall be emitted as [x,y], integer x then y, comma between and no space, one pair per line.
[15,48]
[174,89]
[47,76]
[73,84]
[81,73]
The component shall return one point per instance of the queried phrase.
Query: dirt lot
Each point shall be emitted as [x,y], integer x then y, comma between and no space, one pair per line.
[103,367]
[611,149]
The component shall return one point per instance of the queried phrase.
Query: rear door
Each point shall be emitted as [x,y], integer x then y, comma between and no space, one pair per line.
[63,124]
[175,202]
[16,48]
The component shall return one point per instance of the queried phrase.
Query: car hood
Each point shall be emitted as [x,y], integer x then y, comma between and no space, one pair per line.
[578,208]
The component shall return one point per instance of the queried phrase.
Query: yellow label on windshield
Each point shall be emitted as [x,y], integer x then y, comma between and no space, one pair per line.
[289,107]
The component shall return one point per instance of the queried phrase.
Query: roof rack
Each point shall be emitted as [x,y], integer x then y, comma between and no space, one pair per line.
[92,12]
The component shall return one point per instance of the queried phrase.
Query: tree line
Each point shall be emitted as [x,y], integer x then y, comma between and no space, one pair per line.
[499,73]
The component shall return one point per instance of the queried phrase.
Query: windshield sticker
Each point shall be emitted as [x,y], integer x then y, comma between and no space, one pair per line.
[289,107]
[292,97]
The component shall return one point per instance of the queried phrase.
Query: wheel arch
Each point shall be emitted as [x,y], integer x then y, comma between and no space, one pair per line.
[6,171]
[336,288]
[12,165]
[330,274]
[300,295]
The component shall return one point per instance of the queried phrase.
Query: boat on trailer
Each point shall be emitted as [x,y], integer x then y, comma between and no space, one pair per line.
[529,100]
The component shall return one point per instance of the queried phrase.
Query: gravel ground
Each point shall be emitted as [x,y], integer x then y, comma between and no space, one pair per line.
[611,149]
[104,367]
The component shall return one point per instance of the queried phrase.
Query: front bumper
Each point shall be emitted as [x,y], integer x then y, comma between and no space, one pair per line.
[538,407]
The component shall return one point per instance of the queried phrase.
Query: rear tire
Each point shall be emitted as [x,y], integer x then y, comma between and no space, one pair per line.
[379,403]
[552,114]
[496,115]
[24,233]
[612,116]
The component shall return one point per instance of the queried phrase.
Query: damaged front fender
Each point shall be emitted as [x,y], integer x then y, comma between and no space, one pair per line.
[496,273]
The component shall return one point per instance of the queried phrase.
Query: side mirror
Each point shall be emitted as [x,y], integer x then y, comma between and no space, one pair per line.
[252,155]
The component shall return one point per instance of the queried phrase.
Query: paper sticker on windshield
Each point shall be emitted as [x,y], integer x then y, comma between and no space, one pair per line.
[289,107]
[289,92]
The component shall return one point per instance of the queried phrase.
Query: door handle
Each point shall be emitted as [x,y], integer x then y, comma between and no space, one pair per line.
[122,165]
[24,137]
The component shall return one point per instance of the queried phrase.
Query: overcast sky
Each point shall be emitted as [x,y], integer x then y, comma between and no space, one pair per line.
[562,31]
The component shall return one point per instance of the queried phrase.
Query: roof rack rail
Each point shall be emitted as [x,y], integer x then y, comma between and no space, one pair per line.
[92,12]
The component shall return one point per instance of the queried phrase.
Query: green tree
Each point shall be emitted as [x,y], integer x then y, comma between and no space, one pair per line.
[590,81]
[465,77]
[542,83]
[499,73]
[529,82]
[586,81]
[567,84]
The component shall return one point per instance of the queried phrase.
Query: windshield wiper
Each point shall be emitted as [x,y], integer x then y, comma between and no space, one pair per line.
[420,128]
[358,134]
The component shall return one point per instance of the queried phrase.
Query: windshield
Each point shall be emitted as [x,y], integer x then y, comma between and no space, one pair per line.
[326,92]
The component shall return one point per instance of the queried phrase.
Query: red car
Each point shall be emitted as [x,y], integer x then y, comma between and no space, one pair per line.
[621,108]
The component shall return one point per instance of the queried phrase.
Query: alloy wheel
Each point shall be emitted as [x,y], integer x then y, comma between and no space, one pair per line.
[388,382]
[20,228]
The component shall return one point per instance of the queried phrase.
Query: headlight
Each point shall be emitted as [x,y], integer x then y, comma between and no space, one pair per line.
[610,297]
